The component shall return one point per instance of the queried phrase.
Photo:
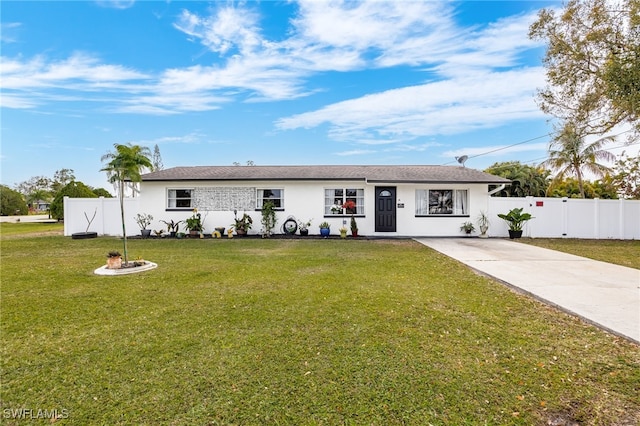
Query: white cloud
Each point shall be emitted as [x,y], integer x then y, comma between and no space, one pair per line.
[78,72]
[7,31]
[444,107]
[116,4]
[190,138]
[323,37]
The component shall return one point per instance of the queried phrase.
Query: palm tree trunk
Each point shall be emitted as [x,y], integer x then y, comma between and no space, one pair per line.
[580,184]
[124,231]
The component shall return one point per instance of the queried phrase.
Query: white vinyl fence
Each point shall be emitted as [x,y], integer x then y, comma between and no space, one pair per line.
[553,217]
[570,218]
[107,215]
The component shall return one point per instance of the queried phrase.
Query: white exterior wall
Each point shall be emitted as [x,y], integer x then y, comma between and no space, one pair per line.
[302,200]
[305,200]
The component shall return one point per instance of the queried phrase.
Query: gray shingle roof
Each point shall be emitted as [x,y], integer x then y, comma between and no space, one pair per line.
[390,174]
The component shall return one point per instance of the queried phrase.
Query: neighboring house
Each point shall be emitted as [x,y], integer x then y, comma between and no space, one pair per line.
[40,206]
[390,200]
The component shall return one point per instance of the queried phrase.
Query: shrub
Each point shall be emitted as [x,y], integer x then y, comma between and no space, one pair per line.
[73,190]
[11,202]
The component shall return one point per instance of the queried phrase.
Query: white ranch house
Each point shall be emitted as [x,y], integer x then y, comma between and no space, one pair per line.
[390,200]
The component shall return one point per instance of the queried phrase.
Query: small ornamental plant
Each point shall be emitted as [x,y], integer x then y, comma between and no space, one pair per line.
[194,223]
[349,207]
[143,220]
[304,226]
[243,223]
[172,226]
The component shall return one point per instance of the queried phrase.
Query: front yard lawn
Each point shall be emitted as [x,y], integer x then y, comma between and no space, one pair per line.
[250,331]
[619,252]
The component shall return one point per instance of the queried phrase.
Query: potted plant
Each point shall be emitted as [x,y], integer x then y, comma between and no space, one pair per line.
[516,220]
[114,260]
[304,227]
[325,229]
[143,220]
[268,218]
[354,227]
[483,224]
[193,224]
[172,227]
[467,227]
[242,224]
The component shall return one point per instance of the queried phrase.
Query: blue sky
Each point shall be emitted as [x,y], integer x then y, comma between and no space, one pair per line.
[274,82]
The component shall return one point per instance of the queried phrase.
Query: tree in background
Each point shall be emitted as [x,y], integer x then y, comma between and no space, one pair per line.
[34,184]
[592,63]
[101,192]
[570,155]
[11,202]
[72,190]
[126,164]
[526,180]
[157,158]
[570,188]
[61,178]
[627,176]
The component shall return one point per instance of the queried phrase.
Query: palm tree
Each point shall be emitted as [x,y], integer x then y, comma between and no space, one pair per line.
[125,164]
[570,155]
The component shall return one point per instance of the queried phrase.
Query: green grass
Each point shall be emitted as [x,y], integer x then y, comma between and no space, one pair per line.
[250,331]
[8,229]
[619,252]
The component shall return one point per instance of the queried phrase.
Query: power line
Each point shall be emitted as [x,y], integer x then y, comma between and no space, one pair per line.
[536,138]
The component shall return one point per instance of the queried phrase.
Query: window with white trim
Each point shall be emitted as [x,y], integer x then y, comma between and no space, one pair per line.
[180,199]
[436,202]
[336,198]
[276,196]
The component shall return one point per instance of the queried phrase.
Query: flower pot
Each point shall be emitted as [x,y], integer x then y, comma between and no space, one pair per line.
[354,233]
[241,232]
[114,262]
[325,232]
[515,234]
[146,233]
[304,232]
[343,234]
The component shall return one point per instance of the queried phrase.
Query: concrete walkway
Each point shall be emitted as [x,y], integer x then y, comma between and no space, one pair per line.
[603,294]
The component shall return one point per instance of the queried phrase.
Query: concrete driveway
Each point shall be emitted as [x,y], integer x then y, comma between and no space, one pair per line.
[603,294]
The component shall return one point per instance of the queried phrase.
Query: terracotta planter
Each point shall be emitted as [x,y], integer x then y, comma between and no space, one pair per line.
[114,262]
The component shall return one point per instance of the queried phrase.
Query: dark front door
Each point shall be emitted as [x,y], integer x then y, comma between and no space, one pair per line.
[385,209]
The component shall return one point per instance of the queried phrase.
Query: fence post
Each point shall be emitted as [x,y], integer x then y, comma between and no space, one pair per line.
[65,208]
[565,216]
